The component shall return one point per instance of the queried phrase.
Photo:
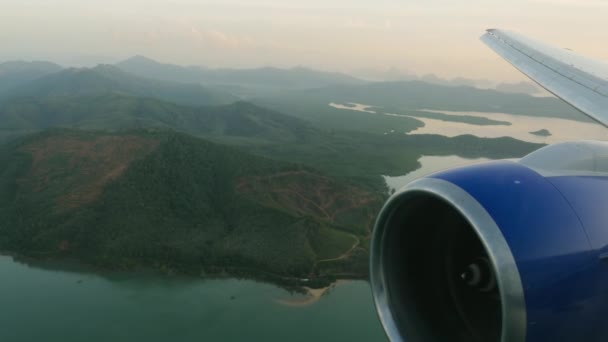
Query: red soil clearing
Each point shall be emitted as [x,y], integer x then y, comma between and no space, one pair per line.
[85,164]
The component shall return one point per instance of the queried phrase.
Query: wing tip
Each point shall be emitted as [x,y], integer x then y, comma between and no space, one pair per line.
[493,32]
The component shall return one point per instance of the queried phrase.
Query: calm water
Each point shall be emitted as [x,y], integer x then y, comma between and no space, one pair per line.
[520,128]
[50,305]
[429,164]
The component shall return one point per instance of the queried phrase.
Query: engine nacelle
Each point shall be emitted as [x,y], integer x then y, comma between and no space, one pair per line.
[508,251]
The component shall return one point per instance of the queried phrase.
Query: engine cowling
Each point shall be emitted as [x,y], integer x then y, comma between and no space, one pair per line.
[506,251]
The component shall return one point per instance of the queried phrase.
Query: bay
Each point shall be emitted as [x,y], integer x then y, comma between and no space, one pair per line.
[45,304]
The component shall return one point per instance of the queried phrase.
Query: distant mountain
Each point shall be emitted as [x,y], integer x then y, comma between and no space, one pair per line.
[391,74]
[519,87]
[460,81]
[146,67]
[261,79]
[401,97]
[239,121]
[175,203]
[105,79]
[357,158]
[16,73]
[395,74]
[36,68]
[456,82]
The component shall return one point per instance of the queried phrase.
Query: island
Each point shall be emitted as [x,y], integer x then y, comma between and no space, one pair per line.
[542,133]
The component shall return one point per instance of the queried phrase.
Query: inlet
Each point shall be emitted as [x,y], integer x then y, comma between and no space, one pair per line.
[433,275]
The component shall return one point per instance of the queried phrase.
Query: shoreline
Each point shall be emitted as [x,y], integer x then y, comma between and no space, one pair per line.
[291,284]
[313,295]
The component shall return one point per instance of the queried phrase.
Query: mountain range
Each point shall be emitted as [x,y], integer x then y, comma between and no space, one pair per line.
[16,73]
[124,171]
[105,79]
[300,126]
[295,78]
[115,111]
[407,97]
[394,74]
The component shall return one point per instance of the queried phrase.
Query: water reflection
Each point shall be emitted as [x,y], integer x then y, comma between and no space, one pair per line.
[430,164]
[39,304]
[521,127]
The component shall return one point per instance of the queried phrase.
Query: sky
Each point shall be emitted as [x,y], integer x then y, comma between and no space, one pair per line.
[415,36]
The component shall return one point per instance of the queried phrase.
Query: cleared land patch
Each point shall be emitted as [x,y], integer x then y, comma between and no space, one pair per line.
[84,165]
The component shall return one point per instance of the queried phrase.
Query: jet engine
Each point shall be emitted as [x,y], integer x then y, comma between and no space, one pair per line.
[507,251]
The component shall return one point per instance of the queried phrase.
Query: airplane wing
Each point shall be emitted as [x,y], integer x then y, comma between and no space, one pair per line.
[582,82]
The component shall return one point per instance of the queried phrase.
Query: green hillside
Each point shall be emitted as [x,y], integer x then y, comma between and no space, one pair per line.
[129,192]
[105,79]
[407,98]
[174,202]
[361,158]
[355,157]
[240,121]
[16,73]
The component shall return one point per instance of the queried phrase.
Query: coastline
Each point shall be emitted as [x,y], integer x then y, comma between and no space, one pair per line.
[312,296]
[313,289]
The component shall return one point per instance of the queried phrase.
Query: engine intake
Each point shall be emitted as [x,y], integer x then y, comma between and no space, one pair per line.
[438,269]
[502,252]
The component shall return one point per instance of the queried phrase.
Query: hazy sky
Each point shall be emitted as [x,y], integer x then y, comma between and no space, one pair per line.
[421,36]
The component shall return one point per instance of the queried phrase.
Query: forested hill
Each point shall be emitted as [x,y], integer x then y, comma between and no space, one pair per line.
[359,158]
[114,111]
[175,202]
[295,78]
[16,73]
[105,79]
[401,97]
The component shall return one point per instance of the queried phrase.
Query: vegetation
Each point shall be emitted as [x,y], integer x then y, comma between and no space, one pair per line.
[105,79]
[173,202]
[16,73]
[406,98]
[131,192]
[360,158]
[542,133]
[329,241]
[245,82]
[354,157]
[318,111]
[240,121]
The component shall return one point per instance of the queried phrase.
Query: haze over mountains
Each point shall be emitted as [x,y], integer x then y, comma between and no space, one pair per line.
[195,85]
[118,111]
[298,78]
[156,165]
[13,74]
[407,98]
[108,98]
[394,74]
[109,79]
[295,78]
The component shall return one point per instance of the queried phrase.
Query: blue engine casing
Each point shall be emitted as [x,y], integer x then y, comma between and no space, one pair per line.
[543,221]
